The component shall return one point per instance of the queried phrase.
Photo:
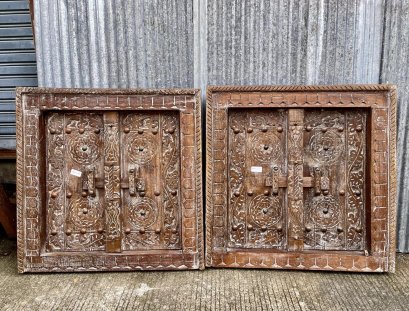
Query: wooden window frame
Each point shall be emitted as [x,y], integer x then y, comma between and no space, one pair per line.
[32,104]
[380,100]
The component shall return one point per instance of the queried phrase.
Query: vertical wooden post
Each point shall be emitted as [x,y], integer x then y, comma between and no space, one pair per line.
[295,180]
[112,183]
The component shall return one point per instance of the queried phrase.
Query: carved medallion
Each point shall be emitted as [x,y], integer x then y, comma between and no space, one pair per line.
[265,210]
[141,148]
[143,212]
[326,147]
[324,211]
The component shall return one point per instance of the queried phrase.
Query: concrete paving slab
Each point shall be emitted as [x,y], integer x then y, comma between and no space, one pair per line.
[212,289]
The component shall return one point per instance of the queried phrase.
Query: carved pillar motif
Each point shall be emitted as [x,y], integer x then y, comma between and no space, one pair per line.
[295,179]
[112,182]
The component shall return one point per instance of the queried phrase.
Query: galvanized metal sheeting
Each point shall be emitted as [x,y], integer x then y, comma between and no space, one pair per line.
[122,43]
[125,43]
[395,69]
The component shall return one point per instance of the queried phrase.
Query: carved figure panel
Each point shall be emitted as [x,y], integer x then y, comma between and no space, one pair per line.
[257,164]
[150,167]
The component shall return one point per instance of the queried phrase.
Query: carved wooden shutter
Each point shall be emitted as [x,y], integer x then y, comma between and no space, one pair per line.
[297,173]
[109,180]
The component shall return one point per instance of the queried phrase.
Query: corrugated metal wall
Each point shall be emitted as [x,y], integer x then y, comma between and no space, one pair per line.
[395,69]
[17,63]
[177,43]
[124,43]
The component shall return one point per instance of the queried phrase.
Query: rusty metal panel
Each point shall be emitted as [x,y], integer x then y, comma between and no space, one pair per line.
[119,187]
[305,173]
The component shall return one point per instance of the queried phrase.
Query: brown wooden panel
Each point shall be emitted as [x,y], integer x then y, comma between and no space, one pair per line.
[257,163]
[150,171]
[337,177]
[335,157]
[75,207]
[108,180]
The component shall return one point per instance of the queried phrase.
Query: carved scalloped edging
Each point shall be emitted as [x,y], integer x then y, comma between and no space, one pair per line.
[392,180]
[348,263]
[90,263]
[302,88]
[199,189]
[20,180]
[209,175]
[44,263]
[106,91]
[389,265]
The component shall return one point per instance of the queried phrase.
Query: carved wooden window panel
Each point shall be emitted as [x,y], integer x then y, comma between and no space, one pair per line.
[119,187]
[301,177]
